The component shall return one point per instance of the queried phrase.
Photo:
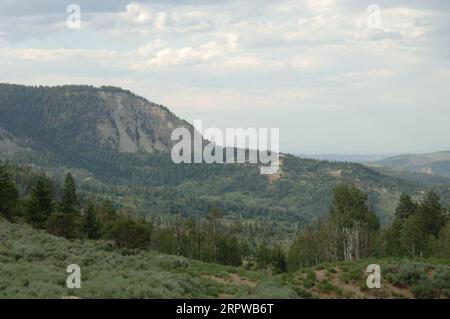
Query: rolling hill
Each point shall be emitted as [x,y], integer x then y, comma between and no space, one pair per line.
[431,163]
[117,145]
[33,265]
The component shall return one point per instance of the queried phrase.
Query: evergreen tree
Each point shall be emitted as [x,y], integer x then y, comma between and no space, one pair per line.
[434,215]
[229,251]
[64,225]
[69,202]
[40,205]
[131,233]
[280,261]
[405,208]
[106,217]
[8,194]
[91,226]
[391,236]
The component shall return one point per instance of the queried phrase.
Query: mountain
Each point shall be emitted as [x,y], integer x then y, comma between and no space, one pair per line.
[83,118]
[117,146]
[437,163]
[353,158]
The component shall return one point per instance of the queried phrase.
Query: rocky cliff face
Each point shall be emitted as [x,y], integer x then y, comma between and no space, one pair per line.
[105,118]
[132,124]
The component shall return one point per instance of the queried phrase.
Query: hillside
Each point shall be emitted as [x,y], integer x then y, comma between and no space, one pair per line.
[117,144]
[70,119]
[33,264]
[431,163]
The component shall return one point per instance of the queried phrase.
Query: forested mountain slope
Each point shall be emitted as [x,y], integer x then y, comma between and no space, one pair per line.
[117,145]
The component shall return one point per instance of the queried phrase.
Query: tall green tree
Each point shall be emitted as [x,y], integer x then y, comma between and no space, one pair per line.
[91,225]
[354,224]
[443,241]
[414,236]
[392,245]
[405,208]
[40,205]
[69,202]
[8,194]
[131,233]
[434,215]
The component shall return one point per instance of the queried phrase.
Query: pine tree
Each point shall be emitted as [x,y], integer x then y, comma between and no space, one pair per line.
[280,261]
[434,215]
[40,205]
[8,194]
[405,208]
[69,202]
[91,226]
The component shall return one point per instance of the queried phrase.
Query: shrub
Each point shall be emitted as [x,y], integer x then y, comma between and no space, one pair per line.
[425,290]
[310,279]
[64,225]
[327,286]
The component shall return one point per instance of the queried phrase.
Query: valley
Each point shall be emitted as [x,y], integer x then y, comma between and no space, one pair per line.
[142,226]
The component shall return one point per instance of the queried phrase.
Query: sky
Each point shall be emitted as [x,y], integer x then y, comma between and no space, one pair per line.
[349,76]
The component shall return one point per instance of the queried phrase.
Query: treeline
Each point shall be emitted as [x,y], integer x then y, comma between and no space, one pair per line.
[351,231]
[205,239]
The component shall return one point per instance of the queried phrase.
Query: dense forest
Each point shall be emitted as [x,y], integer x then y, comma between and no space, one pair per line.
[79,129]
[350,232]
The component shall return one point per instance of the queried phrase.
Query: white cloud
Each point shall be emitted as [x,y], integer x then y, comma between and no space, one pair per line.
[310,58]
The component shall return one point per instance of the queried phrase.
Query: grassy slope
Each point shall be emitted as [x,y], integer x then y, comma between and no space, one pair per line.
[33,263]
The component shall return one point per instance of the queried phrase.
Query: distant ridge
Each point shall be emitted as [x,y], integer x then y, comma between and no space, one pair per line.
[437,163]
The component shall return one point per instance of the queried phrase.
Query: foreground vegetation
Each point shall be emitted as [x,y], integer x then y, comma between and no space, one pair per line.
[33,265]
[49,228]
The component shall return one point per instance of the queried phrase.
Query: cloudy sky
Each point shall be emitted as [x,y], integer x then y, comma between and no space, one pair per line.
[345,76]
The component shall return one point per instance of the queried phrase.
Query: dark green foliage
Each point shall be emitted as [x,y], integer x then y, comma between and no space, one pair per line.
[310,279]
[40,205]
[280,261]
[214,239]
[91,225]
[130,233]
[418,233]
[425,281]
[425,290]
[229,251]
[8,194]
[404,276]
[349,233]
[349,207]
[64,225]
[392,245]
[310,247]
[432,213]
[405,208]
[443,241]
[421,230]
[69,202]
